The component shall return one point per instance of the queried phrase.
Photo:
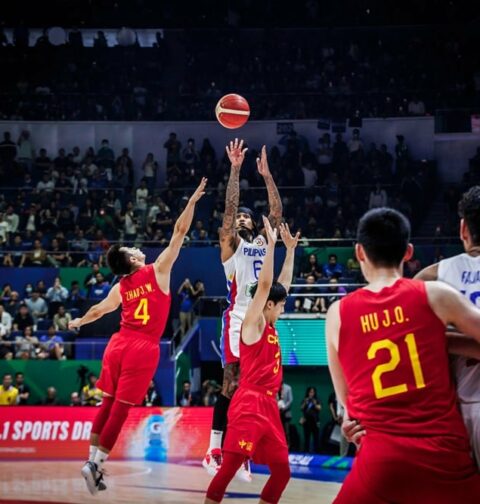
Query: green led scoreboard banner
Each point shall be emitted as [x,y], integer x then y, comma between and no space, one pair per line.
[302,341]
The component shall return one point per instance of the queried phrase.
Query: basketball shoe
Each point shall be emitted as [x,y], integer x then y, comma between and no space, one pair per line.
[244,473]
[93,478]
[213,461]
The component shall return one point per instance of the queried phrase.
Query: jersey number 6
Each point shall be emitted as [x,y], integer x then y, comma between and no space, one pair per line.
[141,313]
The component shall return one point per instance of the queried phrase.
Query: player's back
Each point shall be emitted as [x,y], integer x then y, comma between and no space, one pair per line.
[462,272]
[145,307]
[261,363]
[393,351]
[242,270]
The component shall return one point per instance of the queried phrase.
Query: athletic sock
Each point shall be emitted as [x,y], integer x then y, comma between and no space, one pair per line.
[92,451]
[100,459]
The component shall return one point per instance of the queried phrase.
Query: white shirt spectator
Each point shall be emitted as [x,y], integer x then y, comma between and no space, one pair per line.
[5,321]
[141,198]
[130,226]
[310,176]
[57,294]
[4,229]
[48,185]
[378,198]
[13,220]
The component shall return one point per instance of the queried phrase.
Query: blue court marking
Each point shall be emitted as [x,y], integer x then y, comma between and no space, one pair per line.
[228,495]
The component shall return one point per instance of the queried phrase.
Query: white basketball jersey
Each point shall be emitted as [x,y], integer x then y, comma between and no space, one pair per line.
[242,270]
[463,273]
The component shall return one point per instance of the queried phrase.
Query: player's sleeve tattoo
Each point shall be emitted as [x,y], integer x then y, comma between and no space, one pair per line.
[274,201]
[231,205]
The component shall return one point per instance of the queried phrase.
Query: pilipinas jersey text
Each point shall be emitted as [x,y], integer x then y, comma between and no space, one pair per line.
[462,272]
[145,307]
[242,270]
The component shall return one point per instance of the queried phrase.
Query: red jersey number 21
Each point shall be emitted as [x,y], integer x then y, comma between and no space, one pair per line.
[141,313]
[386,344]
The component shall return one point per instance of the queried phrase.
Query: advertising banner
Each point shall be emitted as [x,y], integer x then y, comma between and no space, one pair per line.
[57,432]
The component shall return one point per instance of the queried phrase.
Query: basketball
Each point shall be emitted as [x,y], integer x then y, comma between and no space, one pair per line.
[232,111]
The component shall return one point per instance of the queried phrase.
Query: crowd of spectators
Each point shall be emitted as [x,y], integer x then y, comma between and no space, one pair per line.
[34,323]
[285,74]
[66,209]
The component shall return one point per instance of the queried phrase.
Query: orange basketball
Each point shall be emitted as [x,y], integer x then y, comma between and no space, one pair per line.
[232,111]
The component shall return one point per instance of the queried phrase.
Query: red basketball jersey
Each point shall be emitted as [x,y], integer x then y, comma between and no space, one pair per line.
[261,363]
[145,307]
[393,351]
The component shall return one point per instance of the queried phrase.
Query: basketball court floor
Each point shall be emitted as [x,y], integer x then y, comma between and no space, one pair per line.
[134,482]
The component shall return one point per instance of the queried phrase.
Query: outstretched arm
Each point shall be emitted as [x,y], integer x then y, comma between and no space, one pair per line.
[165,260]
[254,320]
[274,200]
[428,273]
[291,243]
[107,305]
[228,235]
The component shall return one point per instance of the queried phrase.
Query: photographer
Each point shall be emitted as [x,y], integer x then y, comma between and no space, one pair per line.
[311,411]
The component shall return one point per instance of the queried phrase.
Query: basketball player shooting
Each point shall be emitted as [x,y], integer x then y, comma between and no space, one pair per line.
[132,354]
[254,425]
[388,359]
[242,252]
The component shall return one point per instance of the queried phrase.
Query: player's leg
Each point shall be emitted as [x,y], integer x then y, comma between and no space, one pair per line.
[272,449]
[230,345]
[218,485]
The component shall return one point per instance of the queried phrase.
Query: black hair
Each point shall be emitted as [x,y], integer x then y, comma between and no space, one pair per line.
[384,233]
[277,292]
[118,260]
[469,211]
[311,388]
[19,373]
[249,212]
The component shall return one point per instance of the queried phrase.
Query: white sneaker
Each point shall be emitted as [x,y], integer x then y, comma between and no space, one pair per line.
[213,461]
[244,473]
[93,478]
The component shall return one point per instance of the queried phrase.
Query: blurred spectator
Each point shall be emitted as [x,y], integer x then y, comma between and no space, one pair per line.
[5,321]
[8,152]
[188,295]
[22,319]
[210,391]
[8,393]
[61,319]
[310,420]
[150,168]
[26,151]
[56,296]
[100,289]
[152,397]
[312,268]
[23,389]
[332,267]
[6,346]
[334,292]
[51,398]
[52,345]
[416,107]
[91,394]
[4,228]
[75,399]
[37,257]
[285,401]
[76,296]
[37,306]
[27,345]
[185,397]
[309,304]
[105,155]
[6,292]
[378,197]
[13,304]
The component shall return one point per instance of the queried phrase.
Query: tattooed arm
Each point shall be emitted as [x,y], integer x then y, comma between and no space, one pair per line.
[274,200]
[228,236]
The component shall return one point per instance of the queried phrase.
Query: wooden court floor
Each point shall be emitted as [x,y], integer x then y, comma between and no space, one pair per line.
[139,482]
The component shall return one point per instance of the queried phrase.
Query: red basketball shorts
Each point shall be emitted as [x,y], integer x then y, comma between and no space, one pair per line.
[411,470]
[128,366]
[254,427]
